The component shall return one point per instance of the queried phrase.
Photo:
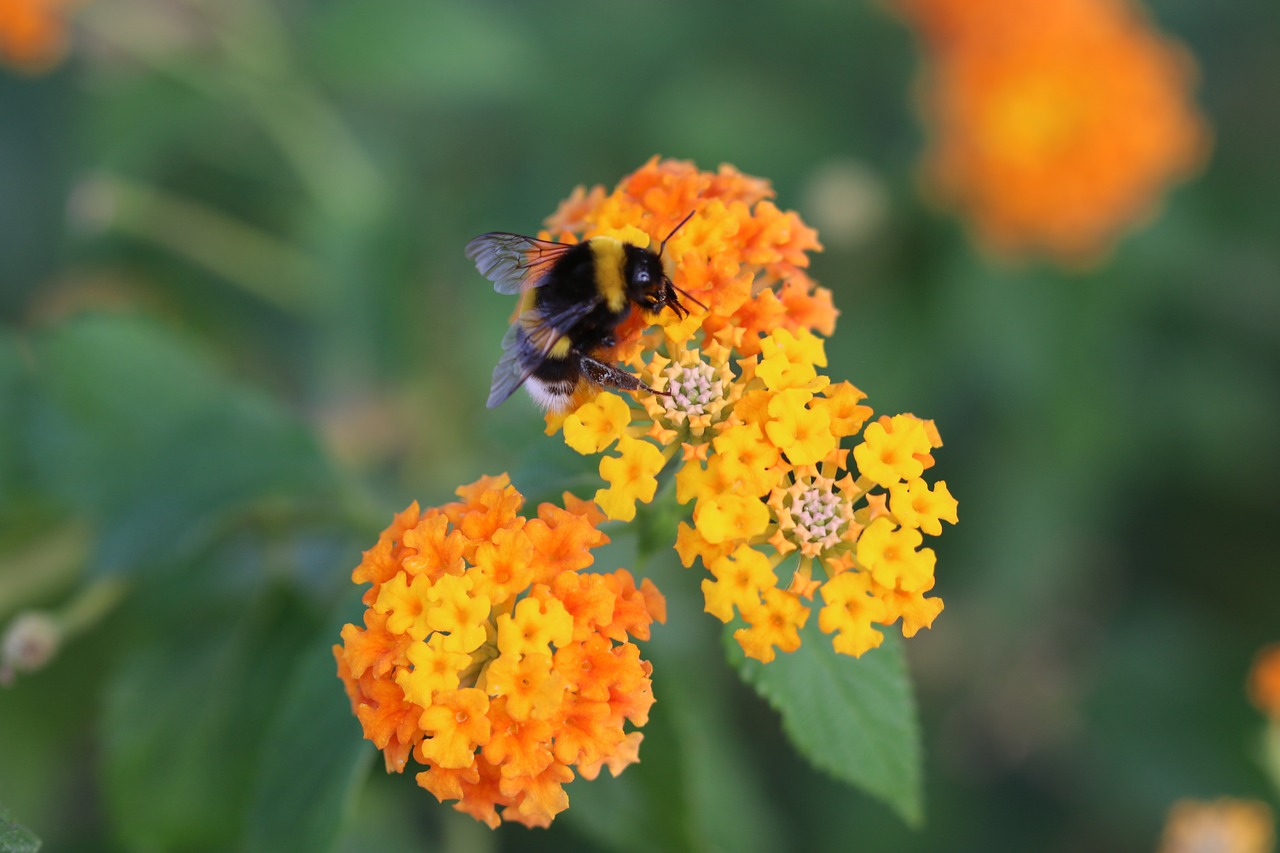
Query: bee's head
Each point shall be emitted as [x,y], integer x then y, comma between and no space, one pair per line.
[647,281]
[651,288]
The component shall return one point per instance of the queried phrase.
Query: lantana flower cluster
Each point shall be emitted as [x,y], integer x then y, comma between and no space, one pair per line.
[763,468]
[489,655]
[1055,126]
[778,463]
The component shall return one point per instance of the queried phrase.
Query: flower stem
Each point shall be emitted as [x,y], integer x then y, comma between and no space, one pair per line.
[267,267]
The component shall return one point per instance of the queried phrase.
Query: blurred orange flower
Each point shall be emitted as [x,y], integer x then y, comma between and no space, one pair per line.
[1224,825]
[33,33]
[1264,681]
[1054,125]
[487,656]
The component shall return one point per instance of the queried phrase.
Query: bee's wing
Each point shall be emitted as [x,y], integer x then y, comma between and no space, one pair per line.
[509,374]
[541,333]
[513,262]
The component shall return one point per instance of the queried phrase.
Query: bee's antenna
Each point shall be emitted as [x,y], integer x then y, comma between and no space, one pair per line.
[687,295]
[672,234]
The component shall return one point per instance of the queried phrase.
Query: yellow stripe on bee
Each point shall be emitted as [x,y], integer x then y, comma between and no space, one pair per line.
[610,261]
[560,348]
[528,301]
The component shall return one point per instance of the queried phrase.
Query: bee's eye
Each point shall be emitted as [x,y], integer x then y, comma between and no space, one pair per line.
[642,276]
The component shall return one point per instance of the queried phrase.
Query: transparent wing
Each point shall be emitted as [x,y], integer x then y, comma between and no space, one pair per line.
[513,262]
[509,374]
[546,329]
[542,332]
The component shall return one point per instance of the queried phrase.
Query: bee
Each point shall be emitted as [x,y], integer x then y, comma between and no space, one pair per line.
[572,298]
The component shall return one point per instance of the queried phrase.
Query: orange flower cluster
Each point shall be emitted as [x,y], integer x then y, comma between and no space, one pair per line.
[740,256]
[33,32]
[1264,681]
[1054,125]
[760,448]
[490,657]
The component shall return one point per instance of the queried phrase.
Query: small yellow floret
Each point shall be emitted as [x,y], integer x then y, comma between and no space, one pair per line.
[730,516]
[739,580]
[774,622]
[534,627]
[632,476]
[892,448]
[435,669]
[851,608]
[914,504]
[802,433]
[597,424]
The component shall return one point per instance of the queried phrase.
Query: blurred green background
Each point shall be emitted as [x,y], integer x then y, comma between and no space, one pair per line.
[238,332]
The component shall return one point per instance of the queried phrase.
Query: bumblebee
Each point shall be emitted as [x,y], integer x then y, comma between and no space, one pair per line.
[572,298]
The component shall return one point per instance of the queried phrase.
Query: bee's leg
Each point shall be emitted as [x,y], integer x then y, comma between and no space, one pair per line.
[610,376]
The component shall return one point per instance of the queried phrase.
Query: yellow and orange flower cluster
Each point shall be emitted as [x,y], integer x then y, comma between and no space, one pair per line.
[760,447]
[1054,125]
[769,482]
[488,655]
[33,33]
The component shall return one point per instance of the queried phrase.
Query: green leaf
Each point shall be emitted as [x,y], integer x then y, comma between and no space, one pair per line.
[135,428]
[188,714]
[313,762]
[854,718]
[15,838]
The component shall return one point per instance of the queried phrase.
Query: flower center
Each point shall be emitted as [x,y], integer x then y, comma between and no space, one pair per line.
[694,388]
[814,514]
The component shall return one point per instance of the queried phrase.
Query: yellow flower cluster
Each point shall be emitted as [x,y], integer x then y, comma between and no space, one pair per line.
[490,657]
[768,481]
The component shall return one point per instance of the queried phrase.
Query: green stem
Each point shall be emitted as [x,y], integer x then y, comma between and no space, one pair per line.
[34,638]
[90,607]
[311,135]
[265,266]
[43,569]
[260,71]
[1271,753]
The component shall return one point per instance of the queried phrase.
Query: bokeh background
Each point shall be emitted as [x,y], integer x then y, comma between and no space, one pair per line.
[237,332]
